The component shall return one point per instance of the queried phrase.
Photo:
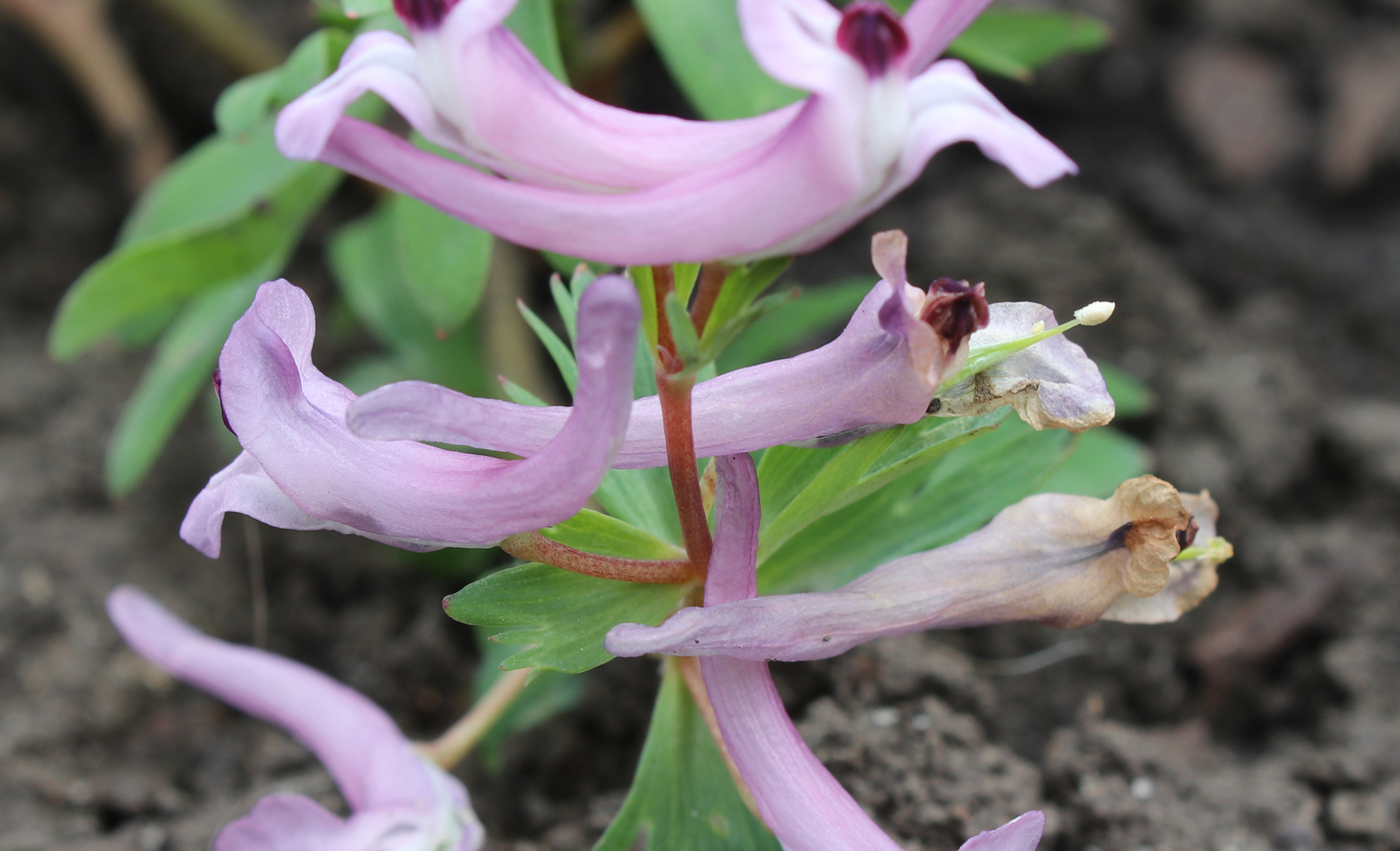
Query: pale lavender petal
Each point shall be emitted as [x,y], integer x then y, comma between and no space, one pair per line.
[1051,384]
[1020,834]
[933,24]
[867,378]
[797,797]
[283,822]
[370,760]
[291,420]
[1051,558]
[794,41]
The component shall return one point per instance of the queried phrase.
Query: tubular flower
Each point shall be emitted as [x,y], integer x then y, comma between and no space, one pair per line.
[400,800]
[302,468]
[799,800]
[1064,561]
[592,181]
[885,369]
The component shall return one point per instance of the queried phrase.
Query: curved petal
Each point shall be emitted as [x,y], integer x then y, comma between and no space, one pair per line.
[794,41]
[799,800]
[1020,834]
[282,822]
[933,24]
[1189,582]
[877,373]
[1056,559]
[1052,384]
[291,421]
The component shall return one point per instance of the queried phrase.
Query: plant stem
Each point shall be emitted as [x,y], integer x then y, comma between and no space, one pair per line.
[532,546]
[453,746]
[674,393]
[712,277]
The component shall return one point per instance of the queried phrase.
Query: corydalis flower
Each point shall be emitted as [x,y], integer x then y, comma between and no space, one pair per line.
[885,369]
[799,800]
[1060,560]
[400,800]
[592,181]
[302,468]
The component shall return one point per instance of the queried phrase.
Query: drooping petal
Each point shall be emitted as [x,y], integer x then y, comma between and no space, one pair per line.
[291,421]
[792,41]
[1051,384]
[392,790]
[464,86]
[1020,834]
[799,800]
[1056,559]
[1190,580]
[881,371]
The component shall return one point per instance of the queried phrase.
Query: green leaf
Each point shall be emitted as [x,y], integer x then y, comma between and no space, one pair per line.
[562,615]
[521,396]
[813,310]
[248,102]
[741,287]
[443,260]
[1131,397]
[702,45]
[365,8]
[604,535]
[1014,42]
[933,506]
[182,366]
[646,292]
[683,797]
[642,498]
[151,273]
[363,260]
[1104,459]
[533,22]
[558,350]
[682,332]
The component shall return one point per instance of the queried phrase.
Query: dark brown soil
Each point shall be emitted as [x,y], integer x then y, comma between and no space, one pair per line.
[1259,296]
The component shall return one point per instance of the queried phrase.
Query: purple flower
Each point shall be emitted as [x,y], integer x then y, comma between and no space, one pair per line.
[799,800]
[588,180]
[885,369]
[302,468]
[1064,561]
[400,800]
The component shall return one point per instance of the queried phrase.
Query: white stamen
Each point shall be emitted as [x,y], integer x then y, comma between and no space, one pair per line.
[1096,313]
[1038,327]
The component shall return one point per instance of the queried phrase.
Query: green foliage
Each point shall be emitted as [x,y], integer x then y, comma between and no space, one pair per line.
[443,260]
[366,265]
[683,797]
[1014,42]
[703,48]
[183,362]
[592,532]
[248,102]
[927,508]
[1132,397]
[1103,460]
[799,316]
[562,616]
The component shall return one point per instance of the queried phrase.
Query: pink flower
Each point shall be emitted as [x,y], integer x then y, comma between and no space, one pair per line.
[400,800]
[302,468]
[799,800]
[580,178]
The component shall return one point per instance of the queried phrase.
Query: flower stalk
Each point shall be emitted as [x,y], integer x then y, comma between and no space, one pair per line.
[452,747]
[532,546]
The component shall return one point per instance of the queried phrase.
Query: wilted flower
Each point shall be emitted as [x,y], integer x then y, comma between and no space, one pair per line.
[1060,560]
[592,181]
[799,800]
[886,368]
[302,468]
[400,800]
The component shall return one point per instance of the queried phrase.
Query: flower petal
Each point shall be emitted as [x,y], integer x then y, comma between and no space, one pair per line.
[282,822]
[290,419]
[1189,582]
[1056,559]
[1020,834]
[794,41]
[933,24]
[874,375]
[1051,384]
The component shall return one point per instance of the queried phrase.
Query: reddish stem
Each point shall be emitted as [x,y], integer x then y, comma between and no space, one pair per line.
[674,394]
[532,546]
[712,276]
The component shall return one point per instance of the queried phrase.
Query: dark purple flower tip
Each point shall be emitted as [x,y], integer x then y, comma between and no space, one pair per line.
[871,33]
[1186,537]
[423,14]
[955,309]
[219,391]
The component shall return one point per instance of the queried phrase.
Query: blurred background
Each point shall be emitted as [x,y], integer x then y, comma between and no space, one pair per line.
[1240,201]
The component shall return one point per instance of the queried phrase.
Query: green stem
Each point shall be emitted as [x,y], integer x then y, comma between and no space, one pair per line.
[532,546]
[453,746]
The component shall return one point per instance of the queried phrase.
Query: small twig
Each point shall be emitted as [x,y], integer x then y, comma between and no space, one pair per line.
[712,277]
[257,581]
[532,546]
[223,33]
[453,746]
[76,32]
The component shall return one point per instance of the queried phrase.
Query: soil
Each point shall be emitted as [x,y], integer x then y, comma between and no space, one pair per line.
[1244,217]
